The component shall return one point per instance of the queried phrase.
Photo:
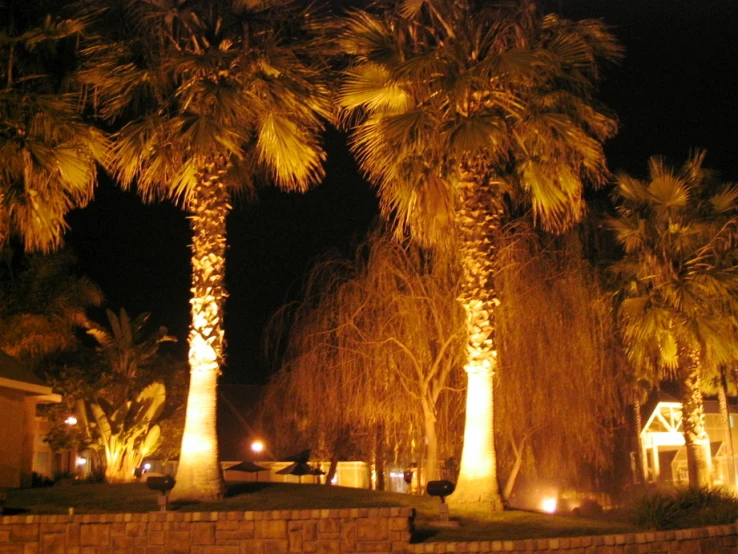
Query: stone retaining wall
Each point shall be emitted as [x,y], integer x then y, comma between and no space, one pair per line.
[348,531]
[719,539]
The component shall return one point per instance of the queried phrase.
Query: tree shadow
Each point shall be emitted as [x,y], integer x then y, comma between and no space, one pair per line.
[237,489]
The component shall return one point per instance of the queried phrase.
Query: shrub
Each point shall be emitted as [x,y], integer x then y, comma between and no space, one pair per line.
[692,507]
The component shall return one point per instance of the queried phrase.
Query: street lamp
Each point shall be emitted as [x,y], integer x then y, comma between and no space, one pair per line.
[257,447]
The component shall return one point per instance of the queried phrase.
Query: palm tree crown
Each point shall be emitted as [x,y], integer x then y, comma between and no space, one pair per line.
[48,153]
[679,269]
[437,86]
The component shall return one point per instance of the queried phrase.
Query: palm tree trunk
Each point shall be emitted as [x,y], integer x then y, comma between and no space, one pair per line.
[693,425]
[640,473]
[476,224]
[199,476]
[725,421]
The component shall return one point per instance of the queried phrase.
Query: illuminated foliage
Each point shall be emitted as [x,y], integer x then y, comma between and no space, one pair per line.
[373,346]
[559,390]
[43,305]
[457,111]
[677,283]
[215,98]
[125,433]
[48,153]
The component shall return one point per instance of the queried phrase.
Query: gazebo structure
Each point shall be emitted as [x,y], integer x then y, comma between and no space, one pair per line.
[663,450]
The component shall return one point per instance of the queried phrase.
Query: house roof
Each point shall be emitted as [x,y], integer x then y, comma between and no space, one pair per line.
[710,404]
[12,369]
[14,375]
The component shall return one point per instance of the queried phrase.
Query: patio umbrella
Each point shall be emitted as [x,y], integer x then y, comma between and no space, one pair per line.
[248,467]
[300,469]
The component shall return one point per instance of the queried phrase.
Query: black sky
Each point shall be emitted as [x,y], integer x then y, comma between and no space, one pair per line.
[675,90]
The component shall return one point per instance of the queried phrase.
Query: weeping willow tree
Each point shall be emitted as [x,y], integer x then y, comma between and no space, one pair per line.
[371,349]
[559,381]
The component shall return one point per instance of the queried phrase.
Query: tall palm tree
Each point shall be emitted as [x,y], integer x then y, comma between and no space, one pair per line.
[48,152]
[678,279]
[220,96]
[459,109]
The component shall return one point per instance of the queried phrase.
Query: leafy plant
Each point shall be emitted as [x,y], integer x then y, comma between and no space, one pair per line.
[693,507]
[125,434]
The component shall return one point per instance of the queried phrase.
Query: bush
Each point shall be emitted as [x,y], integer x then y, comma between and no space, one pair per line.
[663,510]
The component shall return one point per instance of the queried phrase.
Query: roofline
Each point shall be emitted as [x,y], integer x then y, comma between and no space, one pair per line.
[26,387]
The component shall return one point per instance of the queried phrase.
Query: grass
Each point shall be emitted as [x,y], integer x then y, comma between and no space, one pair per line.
[476,525]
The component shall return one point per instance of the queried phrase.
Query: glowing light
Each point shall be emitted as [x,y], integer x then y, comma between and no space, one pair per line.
[334,480]
[476,458]
[257,446]
[81,461]
[147,466]
[549,505]
[71,420]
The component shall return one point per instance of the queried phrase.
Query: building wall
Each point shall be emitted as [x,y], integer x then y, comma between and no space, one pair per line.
[12,435]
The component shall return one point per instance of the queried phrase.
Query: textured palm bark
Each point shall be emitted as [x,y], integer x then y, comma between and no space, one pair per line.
[477,223]
[693,427]
[198,475]
[640,469]
[725,422]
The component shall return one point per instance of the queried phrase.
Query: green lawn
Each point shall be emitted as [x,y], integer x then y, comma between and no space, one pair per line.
[475,525]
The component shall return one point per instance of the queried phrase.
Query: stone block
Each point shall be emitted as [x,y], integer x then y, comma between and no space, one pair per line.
[348,537]
[53,543]
[135,529]
[281,546]
[124,544]
[240,534]
[329,546]
[157,538]
[310,530]
[295,539]
[373,547]
[372,529]
[5,535]
[220,550]
[329,526]
[399,524]
[271,529]
[177,541]
[73,532]
[53,528]
[94,534]
[202,533]
[25,533]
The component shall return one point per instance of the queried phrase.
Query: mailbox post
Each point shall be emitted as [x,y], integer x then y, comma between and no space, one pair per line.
[163,485]
[441,489]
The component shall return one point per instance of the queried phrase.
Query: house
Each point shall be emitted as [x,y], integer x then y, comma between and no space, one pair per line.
[663,452]
[21,391]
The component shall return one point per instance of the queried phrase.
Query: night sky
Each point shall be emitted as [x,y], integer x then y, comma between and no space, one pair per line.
[674,91]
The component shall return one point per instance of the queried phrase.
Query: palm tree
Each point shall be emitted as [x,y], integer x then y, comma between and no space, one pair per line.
[678,279]
[221,96]
[43,305]
[48,153]
[459,109]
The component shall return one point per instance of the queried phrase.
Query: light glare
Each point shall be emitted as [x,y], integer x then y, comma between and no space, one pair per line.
[548,505]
